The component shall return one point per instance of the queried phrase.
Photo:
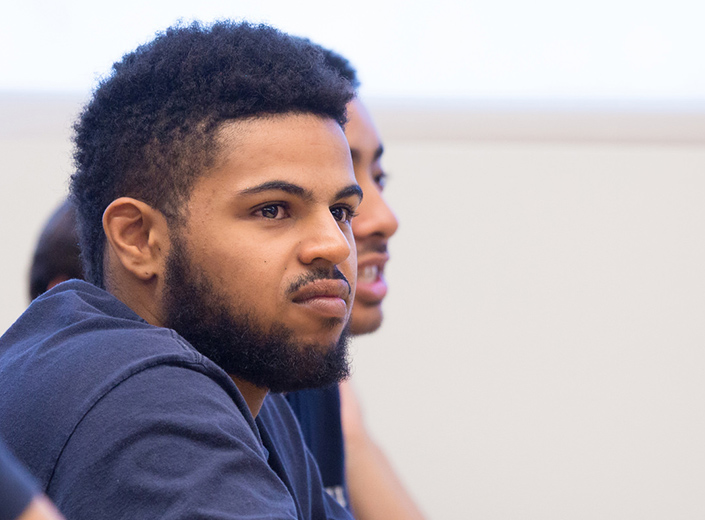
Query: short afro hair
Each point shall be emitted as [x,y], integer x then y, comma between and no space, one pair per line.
[341,65]
[150,130]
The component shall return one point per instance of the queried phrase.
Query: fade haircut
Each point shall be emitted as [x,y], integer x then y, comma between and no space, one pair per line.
[151,128]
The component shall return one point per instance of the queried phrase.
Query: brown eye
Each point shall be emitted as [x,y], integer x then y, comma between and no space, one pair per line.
[272,211]
[342,214]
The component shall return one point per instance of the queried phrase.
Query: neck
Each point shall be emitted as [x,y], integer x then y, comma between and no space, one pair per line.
[141,297]
[254,395]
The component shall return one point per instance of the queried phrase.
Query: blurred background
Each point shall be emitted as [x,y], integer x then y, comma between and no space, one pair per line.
[542,355]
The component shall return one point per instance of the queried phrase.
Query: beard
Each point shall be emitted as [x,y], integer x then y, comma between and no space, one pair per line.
[268,357]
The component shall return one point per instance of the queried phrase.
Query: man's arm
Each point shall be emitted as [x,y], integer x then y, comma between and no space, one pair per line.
[40,508]
[376,492]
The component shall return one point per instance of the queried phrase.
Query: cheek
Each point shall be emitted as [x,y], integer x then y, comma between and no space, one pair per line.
[261,272]
[349,266]
[237,267]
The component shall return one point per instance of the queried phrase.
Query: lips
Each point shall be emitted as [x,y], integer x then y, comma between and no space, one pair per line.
[327,298]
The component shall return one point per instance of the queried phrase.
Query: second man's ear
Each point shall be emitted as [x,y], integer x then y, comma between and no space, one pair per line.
[137,237]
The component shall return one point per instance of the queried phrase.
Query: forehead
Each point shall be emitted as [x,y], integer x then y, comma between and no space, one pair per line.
[360,131]
[304,149]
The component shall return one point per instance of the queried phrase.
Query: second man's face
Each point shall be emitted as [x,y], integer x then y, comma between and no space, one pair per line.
[375,222]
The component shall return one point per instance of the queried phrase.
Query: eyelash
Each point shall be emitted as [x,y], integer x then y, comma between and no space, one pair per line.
[348,210]
[350,213]
[279,205]
[381,180]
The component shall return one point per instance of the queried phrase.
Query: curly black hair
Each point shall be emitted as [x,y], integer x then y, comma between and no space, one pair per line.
[150,130]
[341,65]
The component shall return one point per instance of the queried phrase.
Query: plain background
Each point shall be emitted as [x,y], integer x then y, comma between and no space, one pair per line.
[542,355]
[502,49]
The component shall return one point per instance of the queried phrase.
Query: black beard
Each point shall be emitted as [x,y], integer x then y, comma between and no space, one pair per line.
[268,358]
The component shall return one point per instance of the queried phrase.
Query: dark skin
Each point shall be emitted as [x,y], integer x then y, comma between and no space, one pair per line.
[277,205]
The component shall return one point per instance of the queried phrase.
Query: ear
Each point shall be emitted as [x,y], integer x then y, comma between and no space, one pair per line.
[137,236]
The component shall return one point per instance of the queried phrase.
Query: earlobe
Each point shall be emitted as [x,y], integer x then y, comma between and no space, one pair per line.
[136,234]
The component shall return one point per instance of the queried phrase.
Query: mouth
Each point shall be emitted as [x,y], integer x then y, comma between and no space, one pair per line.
[326,298]
[371,285]
[368,274]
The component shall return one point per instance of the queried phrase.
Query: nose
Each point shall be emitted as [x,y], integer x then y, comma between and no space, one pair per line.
[374,216]
[325,240]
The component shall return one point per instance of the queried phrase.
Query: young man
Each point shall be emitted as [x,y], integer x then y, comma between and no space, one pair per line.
[375,490]
[214,193]
[354,469]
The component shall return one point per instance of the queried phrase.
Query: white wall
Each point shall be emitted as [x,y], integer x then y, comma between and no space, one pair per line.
[459,48]
[542,352]
[35,163]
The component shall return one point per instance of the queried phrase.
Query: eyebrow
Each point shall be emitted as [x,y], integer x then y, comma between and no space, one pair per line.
[350,191]
[295,189]
[284,186]
[355,153]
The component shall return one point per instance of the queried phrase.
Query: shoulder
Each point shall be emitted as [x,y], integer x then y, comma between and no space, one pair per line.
[168,439]
[71,348]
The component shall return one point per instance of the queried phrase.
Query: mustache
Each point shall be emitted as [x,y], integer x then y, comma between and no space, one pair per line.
[372,246]
[318,274]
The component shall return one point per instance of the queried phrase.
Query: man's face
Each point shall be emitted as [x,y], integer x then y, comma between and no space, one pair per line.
[265,260]
[375,222]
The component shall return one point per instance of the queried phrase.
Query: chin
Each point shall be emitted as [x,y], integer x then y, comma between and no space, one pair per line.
[327,333]
[365,320]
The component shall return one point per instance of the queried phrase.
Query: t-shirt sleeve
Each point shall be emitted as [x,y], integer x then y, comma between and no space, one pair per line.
[168,442]
[16,486]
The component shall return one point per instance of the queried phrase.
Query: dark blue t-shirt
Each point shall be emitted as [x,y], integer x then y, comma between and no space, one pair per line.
[16,486]
[120,419]
[318,412]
